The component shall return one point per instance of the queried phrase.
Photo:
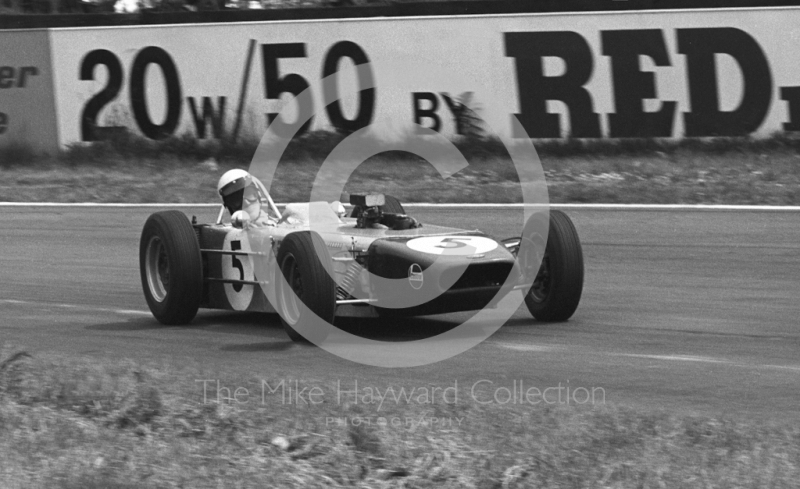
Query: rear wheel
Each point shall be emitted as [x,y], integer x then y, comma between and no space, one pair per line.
[558,285]
[171,267]
[309,288]
[392,206]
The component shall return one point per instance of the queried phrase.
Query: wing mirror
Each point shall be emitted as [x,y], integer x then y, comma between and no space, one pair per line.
[240,219]
[367,200]
[367,209]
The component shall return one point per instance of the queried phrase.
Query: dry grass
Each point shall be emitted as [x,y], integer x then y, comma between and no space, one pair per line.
[736,178]
[129,169]
[69,423]
[766,178]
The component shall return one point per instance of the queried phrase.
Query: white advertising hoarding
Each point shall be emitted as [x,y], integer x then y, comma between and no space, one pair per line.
[27,108]
[623,74]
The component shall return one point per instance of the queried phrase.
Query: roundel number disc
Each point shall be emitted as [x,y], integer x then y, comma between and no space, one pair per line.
[453,245]
[237,267]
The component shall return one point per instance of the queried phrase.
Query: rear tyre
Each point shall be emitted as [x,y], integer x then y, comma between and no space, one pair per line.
[390,206]
[308,277]
[558,285]
[171,267]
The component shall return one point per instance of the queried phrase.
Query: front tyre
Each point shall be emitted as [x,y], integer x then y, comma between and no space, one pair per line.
[171,267]
[558,285]
[309,288]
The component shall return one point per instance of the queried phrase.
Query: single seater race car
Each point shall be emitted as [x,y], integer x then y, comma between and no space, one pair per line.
[332,264]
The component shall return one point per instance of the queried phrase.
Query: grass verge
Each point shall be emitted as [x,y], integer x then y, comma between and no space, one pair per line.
[183,169]
[81,423]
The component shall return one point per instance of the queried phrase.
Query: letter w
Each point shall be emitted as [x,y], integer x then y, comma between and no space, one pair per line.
[216,118]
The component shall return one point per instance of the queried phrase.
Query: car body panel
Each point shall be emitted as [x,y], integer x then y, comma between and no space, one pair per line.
[481,262]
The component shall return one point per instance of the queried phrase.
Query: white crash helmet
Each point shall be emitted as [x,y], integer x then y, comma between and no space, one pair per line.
[231,188]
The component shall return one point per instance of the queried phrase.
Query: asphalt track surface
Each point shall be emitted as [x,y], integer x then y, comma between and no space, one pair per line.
[688,311]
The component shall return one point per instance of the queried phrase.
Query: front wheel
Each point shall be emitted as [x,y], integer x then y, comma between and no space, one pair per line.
[309,288]
[171,267]
[558,285]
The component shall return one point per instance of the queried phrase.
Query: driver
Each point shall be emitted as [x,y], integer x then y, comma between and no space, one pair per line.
[240,192]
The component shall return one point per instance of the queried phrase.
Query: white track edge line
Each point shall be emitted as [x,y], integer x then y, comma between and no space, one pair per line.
[522,347]
[81,307]
[711,207]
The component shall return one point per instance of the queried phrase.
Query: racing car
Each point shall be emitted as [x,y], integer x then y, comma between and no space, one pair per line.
[311,254]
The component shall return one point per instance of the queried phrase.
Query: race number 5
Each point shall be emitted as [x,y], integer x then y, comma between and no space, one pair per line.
[452,243]
[237,264]
[237,267]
